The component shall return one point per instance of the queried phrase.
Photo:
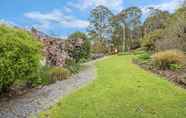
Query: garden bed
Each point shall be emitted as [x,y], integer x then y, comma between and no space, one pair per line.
[178,77]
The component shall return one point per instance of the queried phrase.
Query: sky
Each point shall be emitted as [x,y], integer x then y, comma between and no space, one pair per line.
[62,17]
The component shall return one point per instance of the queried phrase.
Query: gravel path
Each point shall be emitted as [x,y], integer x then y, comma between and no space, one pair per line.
[41,99]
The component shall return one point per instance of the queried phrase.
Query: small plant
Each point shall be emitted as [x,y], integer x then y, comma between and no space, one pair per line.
[42,77]
[144,56]
[164,59]
[176,67]
[72,66]
[58,73]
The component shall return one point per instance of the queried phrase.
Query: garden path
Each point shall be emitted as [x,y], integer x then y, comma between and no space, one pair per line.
[41,99]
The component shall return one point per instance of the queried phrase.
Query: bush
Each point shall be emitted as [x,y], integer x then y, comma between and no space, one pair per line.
[20,56]
[78,46]
[164,59]
[42,77]
[58,73]
[148,42]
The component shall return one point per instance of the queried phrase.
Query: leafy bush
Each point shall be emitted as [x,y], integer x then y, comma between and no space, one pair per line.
[20,56]
[148,42]
[78,46]
[59,73]
[164,59]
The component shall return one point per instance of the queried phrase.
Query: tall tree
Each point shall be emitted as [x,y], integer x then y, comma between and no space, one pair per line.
[175,32]
[100,23]
[119,27]
[133,22]
[157,19]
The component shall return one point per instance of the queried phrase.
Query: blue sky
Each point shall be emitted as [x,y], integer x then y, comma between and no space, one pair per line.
[62,17]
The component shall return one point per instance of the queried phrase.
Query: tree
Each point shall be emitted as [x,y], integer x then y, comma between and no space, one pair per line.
[100,23]
[149,40]
[117,39]
[119,22]
[175,32]
[157,19]
[78,34]
[133,22]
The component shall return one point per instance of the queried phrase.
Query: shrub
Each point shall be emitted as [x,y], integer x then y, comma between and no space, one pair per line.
[148,42]
[20,56]
[78,46]
[59,73]
[164,59]
[42,77]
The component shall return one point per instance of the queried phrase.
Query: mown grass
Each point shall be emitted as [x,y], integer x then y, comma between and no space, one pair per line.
[122,90]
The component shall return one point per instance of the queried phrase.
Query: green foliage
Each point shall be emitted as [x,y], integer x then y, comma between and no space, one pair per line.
[100,23]
[86,48]
[20,56]
[157,19]
[72,66]
[176,66]
[99,47]
[175,33]
[42,77]
[81,46]
[58,73]
[148,42]
[127,29]
[76,35]
[144,56]
[164,59]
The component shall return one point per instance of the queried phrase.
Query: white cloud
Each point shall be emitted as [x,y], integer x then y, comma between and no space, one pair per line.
[115,5]
[170,6]
[57,18]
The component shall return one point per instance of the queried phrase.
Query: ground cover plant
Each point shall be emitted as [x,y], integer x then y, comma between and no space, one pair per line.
[116,93]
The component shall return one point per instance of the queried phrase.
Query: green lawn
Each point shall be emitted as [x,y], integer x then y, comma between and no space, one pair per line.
[122,90]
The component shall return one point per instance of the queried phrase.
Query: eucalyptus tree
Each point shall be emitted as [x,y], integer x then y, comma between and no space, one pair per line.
[100,26]
[175,33]
[127,26]
[120,27]
[157,19]
[134,25]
